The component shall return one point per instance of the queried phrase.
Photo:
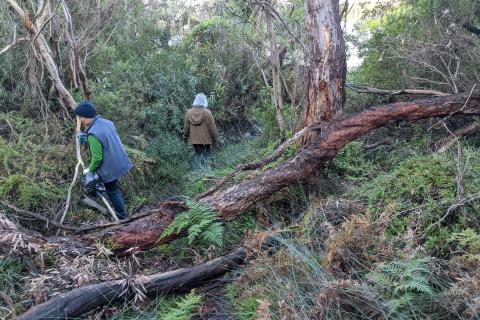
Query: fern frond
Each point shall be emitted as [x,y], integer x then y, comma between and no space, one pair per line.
[214,234]
[199,221]
[184,309]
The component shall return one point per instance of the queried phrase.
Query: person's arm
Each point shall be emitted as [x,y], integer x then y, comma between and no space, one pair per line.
[212,127]
[186,129]
[96,151]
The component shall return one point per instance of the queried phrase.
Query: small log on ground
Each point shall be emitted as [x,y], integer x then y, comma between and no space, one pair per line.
[85,299]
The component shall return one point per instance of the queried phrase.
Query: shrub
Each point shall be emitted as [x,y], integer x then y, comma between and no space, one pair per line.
[351,163]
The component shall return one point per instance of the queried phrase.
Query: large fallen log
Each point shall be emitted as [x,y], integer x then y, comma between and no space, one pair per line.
[85,299]
[146,232]
[231,202]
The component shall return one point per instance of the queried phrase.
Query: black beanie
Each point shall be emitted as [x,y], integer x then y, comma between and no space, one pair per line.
[86,109]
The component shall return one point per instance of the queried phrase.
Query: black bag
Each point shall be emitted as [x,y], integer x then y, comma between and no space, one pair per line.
[92,185]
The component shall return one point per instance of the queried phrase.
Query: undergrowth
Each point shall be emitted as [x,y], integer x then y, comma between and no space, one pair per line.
[172,307]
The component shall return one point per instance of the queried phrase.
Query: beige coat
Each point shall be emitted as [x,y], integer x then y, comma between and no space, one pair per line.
[199,126]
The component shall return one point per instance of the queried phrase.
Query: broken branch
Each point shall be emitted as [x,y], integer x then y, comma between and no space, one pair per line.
[367,89]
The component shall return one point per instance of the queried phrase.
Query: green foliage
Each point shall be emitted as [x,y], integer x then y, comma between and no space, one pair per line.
[28,193]
[165,307]
[424,183]
[412,39]
[264,113]
[351,163]
[10,274]
[236,228]
[223,67]
[408,287]
[245,306]
[30,175]
[468,240]
[172,154]
[418,180]
[178,308]
[200,222]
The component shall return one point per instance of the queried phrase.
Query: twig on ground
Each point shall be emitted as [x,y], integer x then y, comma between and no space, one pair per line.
[111,224]
[470,198]
[72,228]
[9,302]
[367,89]
[37,216]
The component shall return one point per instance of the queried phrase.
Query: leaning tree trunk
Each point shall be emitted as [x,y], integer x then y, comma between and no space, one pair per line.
[327,63]
[146,232]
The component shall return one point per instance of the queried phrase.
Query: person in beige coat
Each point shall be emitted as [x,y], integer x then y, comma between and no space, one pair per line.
[199,130]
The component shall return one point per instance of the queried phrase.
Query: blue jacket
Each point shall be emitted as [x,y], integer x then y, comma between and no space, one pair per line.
[115,161]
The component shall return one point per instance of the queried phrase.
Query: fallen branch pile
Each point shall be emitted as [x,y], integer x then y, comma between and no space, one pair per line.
[82,300]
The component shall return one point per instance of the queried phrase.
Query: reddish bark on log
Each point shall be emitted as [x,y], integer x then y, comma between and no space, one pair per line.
[231,202]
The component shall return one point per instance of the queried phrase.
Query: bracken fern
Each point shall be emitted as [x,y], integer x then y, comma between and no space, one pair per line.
[406,286]
[200,221]
[184,308]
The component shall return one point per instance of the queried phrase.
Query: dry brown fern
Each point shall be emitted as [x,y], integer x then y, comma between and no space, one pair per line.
[342,297]
[357,244]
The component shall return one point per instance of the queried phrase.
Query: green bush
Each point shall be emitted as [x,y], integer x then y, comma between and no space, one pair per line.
[424,183]
[245,306]
[351,163]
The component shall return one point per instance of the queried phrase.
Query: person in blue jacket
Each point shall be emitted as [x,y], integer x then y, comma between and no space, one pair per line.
[108,157]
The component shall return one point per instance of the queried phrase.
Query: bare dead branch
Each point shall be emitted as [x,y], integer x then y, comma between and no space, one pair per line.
[444,144]
[69,193]
[37,216]
[15,41]
[367,89]
[458,204]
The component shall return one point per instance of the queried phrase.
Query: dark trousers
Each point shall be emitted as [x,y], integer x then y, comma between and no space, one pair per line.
[115,196]
[200,160]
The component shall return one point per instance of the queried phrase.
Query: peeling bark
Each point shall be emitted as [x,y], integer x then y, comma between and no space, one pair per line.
[327,69]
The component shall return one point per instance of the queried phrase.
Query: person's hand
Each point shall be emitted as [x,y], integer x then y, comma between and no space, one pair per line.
[89,182]
[82,137]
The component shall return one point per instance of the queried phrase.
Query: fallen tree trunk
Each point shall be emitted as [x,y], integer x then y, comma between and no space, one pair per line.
[231,202]
[82,300]
[334,136]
